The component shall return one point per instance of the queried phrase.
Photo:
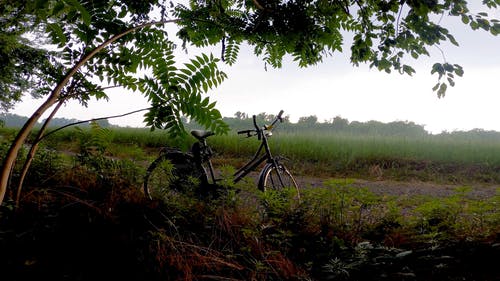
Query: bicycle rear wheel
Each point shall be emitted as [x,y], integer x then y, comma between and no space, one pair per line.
[277,177]
[173,171]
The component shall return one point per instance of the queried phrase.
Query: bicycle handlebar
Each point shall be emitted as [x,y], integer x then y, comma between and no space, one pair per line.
[258,130]
[247,132]
[255,123]
[278,118]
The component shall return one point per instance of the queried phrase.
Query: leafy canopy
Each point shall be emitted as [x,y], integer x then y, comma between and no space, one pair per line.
[142,60]
[385,34]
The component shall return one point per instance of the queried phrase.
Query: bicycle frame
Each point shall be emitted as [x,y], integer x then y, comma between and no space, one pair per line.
[255,161]
[252,164]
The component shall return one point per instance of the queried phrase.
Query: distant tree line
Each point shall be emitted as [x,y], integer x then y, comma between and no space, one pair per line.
[305,125]
[311,124]
[17,121]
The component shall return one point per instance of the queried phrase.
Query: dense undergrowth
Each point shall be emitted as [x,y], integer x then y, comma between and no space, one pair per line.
[84,217]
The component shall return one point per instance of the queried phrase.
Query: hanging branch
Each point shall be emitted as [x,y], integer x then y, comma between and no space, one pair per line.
[93,120]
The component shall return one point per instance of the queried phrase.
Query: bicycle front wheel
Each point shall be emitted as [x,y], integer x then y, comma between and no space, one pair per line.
[277,177]
[173,171]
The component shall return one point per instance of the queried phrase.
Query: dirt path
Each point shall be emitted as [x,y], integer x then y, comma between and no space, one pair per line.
[411,188]
[401,188]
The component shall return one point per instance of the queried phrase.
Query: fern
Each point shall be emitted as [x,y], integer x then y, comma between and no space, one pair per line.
[230,52]
[96,140]
[177,92]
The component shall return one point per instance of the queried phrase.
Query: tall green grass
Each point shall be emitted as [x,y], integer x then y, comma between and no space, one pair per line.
[345,148]
[348,148]
[426,157]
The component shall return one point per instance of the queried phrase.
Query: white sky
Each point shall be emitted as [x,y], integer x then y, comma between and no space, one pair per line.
[337,88]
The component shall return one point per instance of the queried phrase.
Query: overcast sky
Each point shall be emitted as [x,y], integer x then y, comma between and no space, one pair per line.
[336,88]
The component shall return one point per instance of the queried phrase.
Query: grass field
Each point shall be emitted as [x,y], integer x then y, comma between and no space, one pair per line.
[444,158]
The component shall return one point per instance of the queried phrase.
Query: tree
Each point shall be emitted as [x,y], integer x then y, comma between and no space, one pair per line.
[122,43]
[240,115]
[340,123]
[308,121]
[102,43]
[23,67]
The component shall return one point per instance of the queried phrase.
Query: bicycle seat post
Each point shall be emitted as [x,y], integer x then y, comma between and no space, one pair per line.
[201,151]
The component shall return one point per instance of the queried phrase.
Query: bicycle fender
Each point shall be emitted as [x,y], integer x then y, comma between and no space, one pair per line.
[262,175]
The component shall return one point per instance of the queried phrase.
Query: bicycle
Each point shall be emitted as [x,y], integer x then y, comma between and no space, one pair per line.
[175,168]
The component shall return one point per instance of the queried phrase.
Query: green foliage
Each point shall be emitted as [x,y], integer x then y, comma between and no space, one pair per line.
[279,203]
[95,141]
[449,71]
[399,150]
[343,207]
[25,67]
[385,33]
[93,152]
[181,93]
[46,167]
[78,28]
[458,215]
[338,230]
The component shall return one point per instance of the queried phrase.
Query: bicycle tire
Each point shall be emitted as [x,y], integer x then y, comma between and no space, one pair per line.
[269,178]
[172,171]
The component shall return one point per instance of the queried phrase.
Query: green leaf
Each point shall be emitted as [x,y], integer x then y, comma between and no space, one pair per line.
[448,67]
[185,71]
[58,7]
[205,102]
[437,67]
[451,82]
[408,69]
[465,19]
[85,16]
[435,87]
[452,39]
[495,29]
[123,12]
[195,63]
[191,67]
[459,70]
[474,25]
[442,90]
[57,34]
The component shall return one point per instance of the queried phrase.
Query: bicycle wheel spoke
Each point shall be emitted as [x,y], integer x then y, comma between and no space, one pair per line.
[277,178]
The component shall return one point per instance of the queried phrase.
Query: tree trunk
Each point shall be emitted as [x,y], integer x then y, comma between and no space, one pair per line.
[33,149]
[10,158]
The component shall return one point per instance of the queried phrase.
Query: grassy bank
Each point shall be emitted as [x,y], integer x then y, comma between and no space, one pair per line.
[83,216]
[91,224]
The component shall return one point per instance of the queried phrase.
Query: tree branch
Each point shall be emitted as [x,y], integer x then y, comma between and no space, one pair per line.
[92,120]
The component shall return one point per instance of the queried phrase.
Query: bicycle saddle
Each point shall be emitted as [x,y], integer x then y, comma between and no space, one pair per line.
[201,134]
